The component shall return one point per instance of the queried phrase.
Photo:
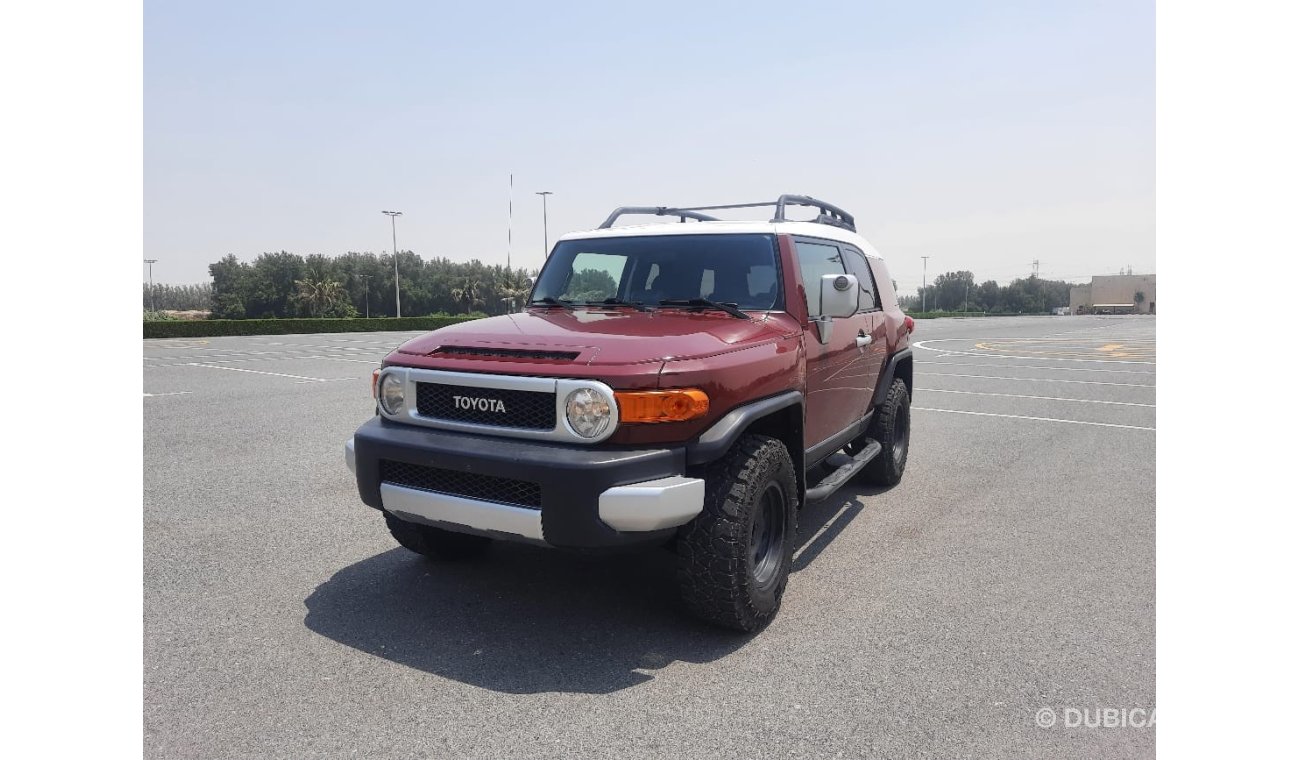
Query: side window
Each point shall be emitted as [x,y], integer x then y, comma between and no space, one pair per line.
[815,260]
[858,268]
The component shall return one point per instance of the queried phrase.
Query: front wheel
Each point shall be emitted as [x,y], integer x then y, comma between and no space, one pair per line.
[734,559]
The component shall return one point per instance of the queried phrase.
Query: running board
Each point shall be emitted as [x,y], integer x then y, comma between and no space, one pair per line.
[831,483]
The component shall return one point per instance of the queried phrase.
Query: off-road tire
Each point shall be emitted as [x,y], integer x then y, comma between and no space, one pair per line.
[892,427]
[716,565]
[435,543]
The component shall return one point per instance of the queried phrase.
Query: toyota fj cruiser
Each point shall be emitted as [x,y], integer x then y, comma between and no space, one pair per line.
[684,384]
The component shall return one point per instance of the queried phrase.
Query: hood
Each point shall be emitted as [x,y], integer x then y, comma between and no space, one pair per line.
[599,336]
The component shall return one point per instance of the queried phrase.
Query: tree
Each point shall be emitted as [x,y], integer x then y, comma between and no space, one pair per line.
[322,298]
[229,280]
[950,290]
[591,285]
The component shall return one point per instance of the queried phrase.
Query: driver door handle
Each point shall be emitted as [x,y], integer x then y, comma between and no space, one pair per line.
[863,339]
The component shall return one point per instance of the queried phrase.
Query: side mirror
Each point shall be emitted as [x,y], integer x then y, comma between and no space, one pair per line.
[839,298]
[839,295]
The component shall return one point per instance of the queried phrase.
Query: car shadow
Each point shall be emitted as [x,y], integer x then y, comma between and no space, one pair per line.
[527,620]
[522,620]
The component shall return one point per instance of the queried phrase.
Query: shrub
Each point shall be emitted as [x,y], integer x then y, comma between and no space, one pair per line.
[215,327]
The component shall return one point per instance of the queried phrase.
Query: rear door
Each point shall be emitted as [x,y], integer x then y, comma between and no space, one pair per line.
[872,325]
[834,394]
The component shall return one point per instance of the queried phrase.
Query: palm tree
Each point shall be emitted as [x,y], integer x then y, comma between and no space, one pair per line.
[322,298]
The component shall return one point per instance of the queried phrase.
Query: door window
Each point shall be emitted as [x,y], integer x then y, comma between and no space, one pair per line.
[815,260]
[868,301]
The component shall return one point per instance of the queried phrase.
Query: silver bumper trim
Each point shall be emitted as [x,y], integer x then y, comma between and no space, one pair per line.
[420,505]
[652,505]
[350,454]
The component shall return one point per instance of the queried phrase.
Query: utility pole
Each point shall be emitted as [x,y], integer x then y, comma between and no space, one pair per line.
[546,238]
[153,305]
[1035,275]
[366,279]
[924,261]
[397,276]
[966,307]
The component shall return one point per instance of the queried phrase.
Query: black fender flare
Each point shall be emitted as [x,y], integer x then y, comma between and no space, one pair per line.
[717,440]
[887,376]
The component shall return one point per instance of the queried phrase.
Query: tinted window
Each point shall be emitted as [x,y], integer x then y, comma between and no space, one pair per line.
[595,277]
[815,260]
[858,268]
[739,269]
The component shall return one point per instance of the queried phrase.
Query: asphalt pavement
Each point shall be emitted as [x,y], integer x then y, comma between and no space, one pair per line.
[1012,572]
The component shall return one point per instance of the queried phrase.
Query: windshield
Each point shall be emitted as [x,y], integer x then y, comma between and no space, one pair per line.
[735,269]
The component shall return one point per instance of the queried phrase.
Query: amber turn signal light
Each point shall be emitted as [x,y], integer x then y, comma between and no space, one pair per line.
[661,406]
[374,384]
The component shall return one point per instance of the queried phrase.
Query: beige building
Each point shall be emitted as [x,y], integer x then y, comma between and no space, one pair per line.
[1115,294]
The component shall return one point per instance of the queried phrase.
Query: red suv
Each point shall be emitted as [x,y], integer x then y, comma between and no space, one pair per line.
[678,384]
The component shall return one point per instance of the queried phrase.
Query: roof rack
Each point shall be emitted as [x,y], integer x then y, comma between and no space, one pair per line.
[830,214]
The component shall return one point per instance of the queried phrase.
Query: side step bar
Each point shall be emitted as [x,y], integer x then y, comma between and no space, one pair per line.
[831,483]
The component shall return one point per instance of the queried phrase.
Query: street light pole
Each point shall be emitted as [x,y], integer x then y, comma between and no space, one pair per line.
[924,261]
[546,238]
[153,305]
[366,279]
[397,275]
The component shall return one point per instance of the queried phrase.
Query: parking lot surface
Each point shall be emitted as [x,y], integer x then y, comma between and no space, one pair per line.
[1012,571]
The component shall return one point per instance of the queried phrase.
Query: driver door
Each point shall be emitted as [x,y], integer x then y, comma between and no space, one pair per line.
[834,398]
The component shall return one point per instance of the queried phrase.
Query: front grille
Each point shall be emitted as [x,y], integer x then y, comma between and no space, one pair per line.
[486,406]
[506,353]
[518,493]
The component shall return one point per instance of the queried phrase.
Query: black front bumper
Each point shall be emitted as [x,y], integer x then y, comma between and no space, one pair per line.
[571,478]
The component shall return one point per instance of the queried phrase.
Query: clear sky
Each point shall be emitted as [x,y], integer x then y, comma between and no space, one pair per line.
[982,134]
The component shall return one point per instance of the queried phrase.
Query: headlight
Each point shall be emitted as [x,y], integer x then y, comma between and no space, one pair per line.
[392,393]
[588,412]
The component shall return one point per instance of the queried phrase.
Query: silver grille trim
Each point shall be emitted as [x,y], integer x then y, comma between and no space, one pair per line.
[561,387]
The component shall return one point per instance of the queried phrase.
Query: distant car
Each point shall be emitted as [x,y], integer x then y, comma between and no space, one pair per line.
[682,384]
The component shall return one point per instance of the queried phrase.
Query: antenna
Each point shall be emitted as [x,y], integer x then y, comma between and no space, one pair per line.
[510,221]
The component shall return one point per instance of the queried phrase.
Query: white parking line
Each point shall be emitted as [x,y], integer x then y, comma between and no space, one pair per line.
[174,393]
[259,372]
[922,345]
[1031,366]
[1043,380]
[1040,398]
[1038,419]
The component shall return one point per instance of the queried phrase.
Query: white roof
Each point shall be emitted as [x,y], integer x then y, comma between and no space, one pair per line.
[806,229]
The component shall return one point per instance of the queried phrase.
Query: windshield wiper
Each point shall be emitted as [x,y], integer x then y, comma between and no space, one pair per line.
[549,301]
[704,303]
[616,302]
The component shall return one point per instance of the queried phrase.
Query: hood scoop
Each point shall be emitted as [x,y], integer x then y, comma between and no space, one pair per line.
[478,352]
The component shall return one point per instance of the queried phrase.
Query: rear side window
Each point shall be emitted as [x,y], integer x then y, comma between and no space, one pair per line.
[868,301]
[816,260]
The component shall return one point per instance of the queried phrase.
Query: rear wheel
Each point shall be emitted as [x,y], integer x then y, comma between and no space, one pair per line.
[892,427]
[436,543]
[734,559]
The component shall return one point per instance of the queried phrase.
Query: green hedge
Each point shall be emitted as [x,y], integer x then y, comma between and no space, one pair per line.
[204,328]
[972,314]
